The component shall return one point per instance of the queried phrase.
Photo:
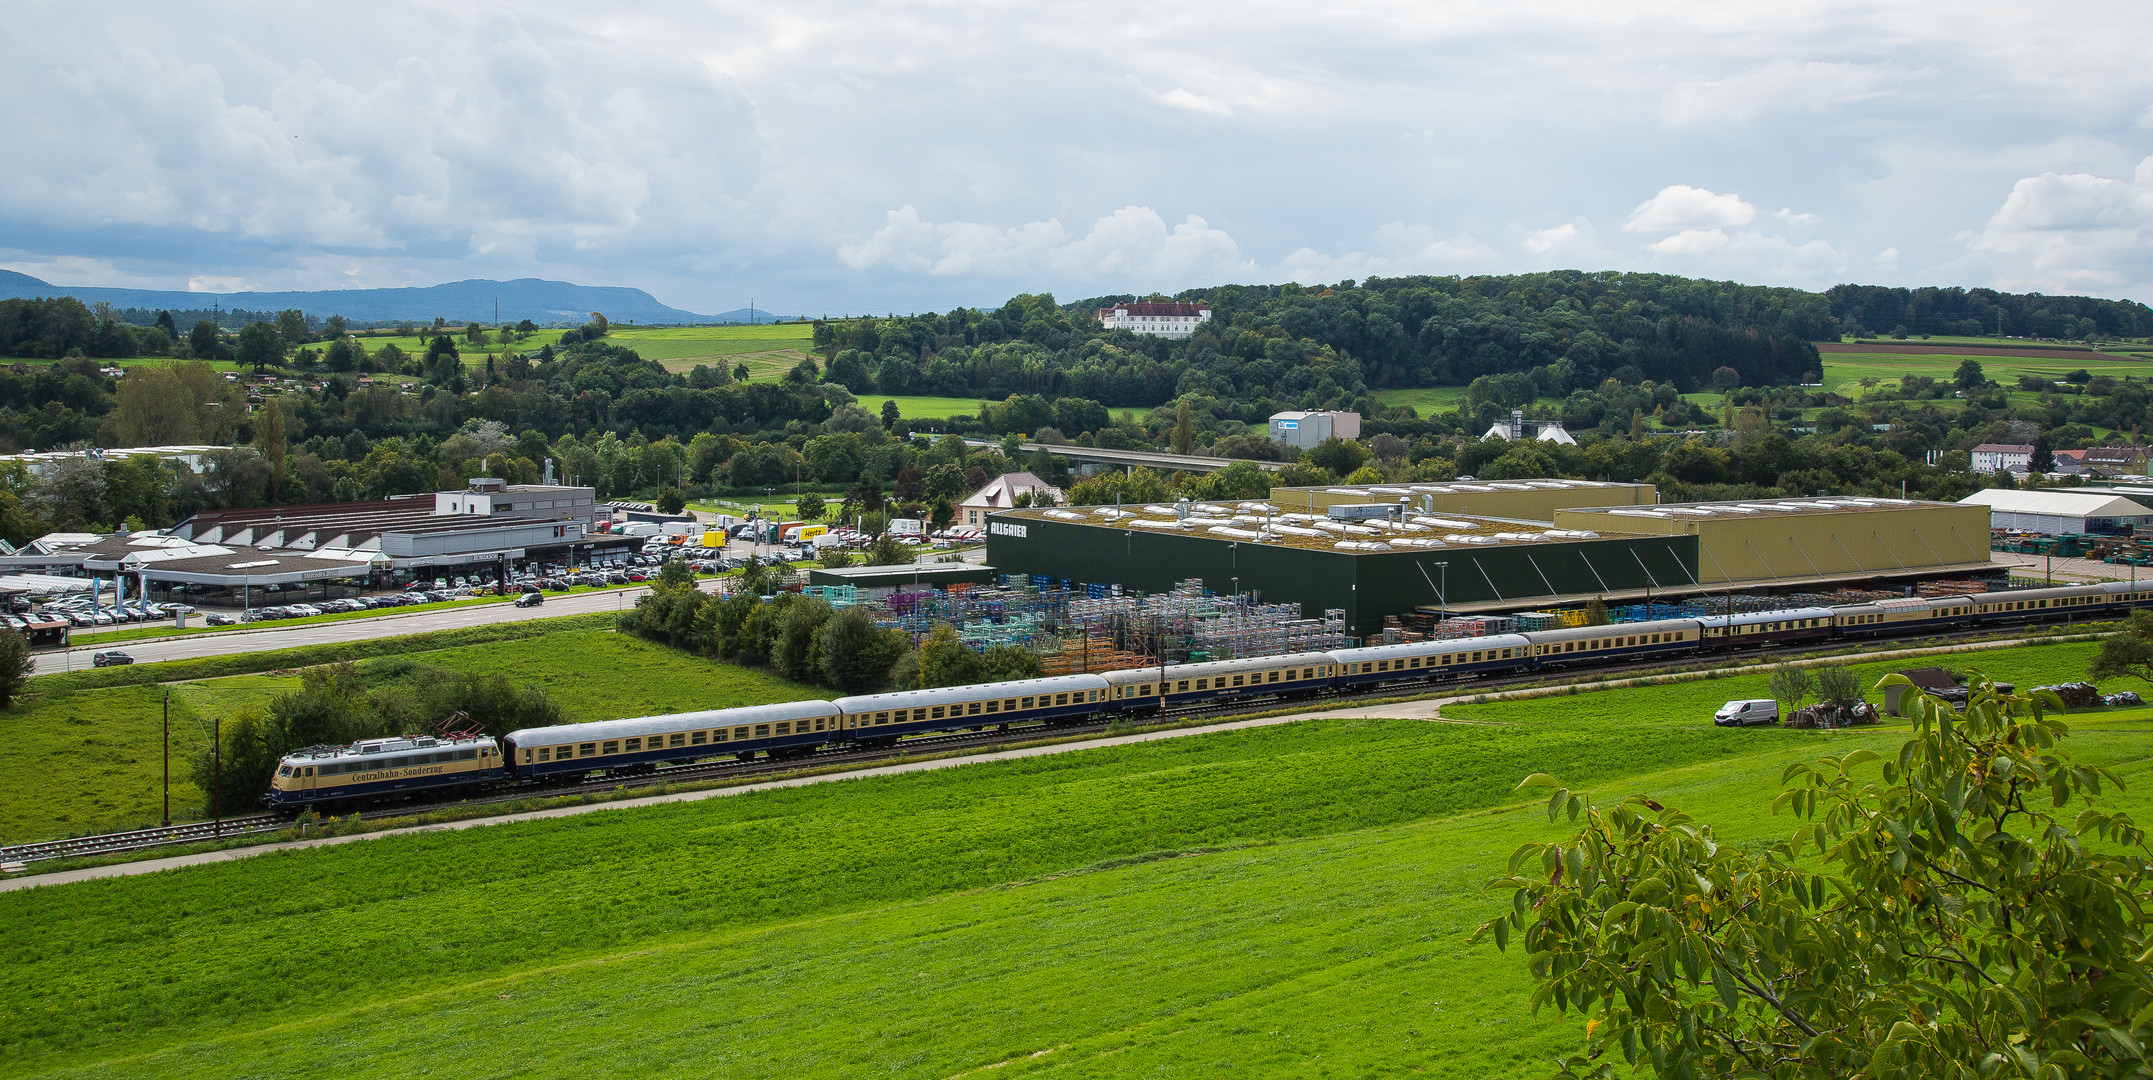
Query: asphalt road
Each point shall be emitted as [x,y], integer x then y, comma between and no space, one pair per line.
[390,625]
[241,641]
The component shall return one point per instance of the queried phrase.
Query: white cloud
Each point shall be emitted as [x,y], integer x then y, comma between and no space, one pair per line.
[1132,243]
[1691,242]
[2073,231]
[1803,86]
[1399,250]
[1682,208]
[1542,241]
[716,148]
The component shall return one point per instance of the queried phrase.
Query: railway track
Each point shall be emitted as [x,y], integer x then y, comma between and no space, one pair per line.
[257,824]
[140,839]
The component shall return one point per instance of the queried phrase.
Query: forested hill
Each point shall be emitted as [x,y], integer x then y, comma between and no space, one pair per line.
[1881,310]
[1305,347]
[543,302]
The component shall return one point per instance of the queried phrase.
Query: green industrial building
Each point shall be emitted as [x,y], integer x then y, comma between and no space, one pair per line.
[1477,563]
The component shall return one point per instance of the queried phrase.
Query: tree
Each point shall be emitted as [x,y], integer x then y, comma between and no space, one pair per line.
[16,666]
[1184,428]
[2044,456]
[740,374]
[2128,651]
[670,500]
[204,342]
[269,439]
[1961,908]
[1340,457]
[810,506]
[940,512]
[1838,686]
[853,653]
[890,415]
[1969,376]
[1596,613]
[292,326]
[260,346]
[1725,379]
[1792,685]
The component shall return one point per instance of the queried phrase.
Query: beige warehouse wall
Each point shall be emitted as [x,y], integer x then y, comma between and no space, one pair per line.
[1761,549]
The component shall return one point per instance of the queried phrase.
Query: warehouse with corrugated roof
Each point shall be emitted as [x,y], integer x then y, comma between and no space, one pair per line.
[1808,542]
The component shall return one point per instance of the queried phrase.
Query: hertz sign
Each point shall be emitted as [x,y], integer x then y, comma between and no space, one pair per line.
[1005,528]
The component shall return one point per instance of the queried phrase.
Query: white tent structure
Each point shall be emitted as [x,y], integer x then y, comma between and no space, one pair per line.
[2056,512]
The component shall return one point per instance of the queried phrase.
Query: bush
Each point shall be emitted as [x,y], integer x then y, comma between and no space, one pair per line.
[16,666]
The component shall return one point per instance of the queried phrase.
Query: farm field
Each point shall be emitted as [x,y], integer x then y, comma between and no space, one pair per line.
[769,350]
[89,760]
[1843,372]
[1424,399]
[1291,900]
[923,408]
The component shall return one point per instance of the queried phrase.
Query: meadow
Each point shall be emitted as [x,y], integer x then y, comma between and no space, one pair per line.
[85,760]
[1845,371]
[1291,900]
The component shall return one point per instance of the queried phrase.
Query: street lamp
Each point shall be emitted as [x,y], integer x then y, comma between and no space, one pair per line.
[1442,590]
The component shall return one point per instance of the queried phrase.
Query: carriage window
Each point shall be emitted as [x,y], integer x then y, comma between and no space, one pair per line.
[785,728]
[994,706]
[1274,676]
[919,714]
[1476,658]
[1308,673]
[973,710]
[1027,703]
[762,731]
[715,736]
[1382,665]
[587,749]
[635,744]
[1203,684]
[1237,680]
[467,755]
[1181,687]
[545,753]
[284,770]
[613,746]
[1061,699]
[680,739]
[1009,704]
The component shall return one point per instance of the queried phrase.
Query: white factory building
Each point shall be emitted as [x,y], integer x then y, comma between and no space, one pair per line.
[2052,512]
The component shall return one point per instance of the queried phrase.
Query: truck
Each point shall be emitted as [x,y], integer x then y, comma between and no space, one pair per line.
[640,528]
[908,527]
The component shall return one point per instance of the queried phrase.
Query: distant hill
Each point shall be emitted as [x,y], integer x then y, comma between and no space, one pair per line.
[524,298]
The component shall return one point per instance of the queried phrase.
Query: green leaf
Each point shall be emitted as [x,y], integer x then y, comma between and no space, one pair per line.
[1538,779]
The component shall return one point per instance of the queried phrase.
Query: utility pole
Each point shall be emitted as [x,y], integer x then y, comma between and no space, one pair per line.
[168,757]
[216,778]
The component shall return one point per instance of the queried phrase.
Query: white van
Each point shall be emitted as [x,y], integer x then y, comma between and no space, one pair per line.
[1747,712]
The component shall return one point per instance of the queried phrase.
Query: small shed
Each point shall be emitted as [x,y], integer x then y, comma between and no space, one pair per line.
[1929,680]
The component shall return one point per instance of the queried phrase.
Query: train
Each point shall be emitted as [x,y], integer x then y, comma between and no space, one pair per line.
[462,763]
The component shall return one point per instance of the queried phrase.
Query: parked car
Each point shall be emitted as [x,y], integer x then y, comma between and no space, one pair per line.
[531,599]
[221,620]
[110,658]
[1747,712]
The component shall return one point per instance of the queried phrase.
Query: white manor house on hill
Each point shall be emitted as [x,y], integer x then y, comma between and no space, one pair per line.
[1160,319]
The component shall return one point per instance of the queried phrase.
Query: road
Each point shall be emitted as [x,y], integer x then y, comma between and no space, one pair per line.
[227,642]
[224,643]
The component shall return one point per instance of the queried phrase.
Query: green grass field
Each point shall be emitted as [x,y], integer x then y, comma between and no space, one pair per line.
[769,351]
[923,408]
[1425,400]
[1844,372]
[89,760]
[1282,901]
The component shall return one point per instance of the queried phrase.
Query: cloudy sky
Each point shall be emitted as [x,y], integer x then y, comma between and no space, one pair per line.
[847,157]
